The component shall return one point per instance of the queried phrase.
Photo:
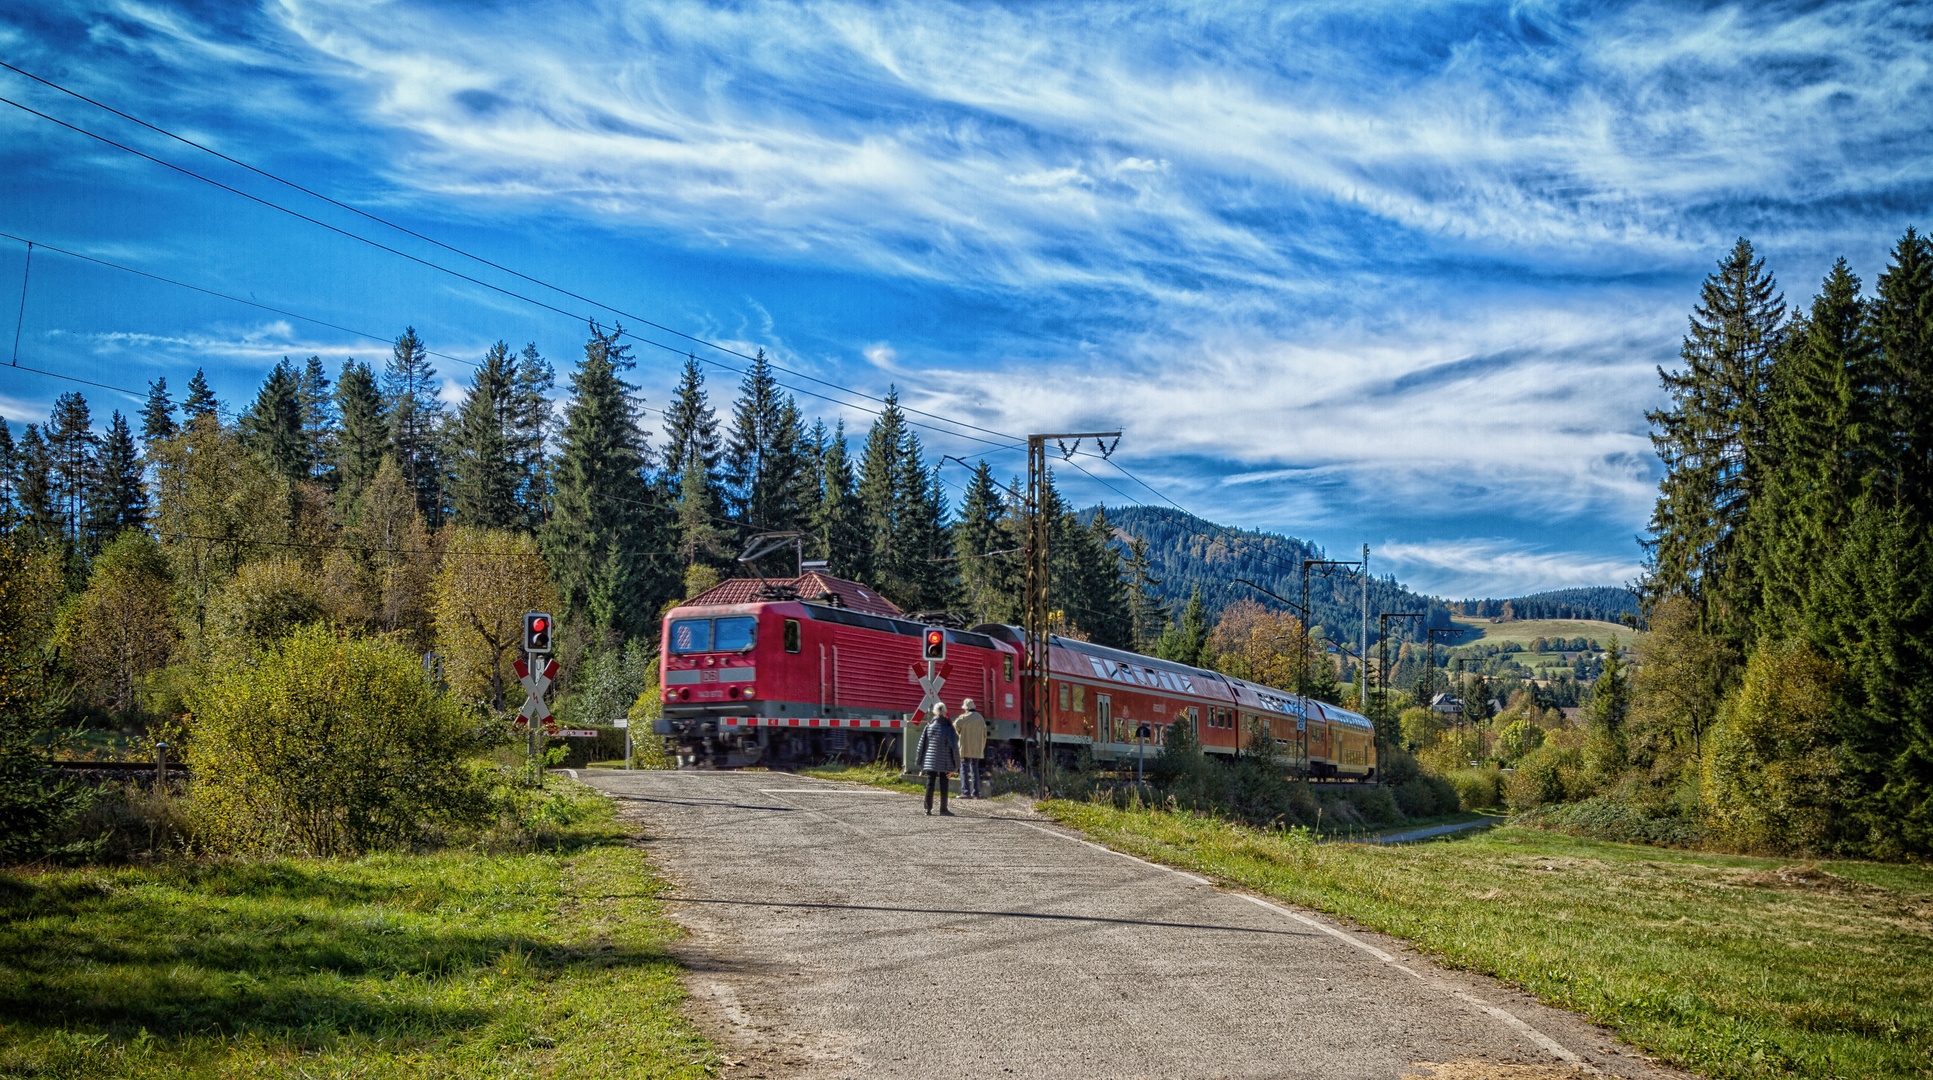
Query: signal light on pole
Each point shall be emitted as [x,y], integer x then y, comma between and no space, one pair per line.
[537,628]
[935,648]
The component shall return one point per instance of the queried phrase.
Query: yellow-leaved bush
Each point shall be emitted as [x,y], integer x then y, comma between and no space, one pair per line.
[329,744]
[1772,771]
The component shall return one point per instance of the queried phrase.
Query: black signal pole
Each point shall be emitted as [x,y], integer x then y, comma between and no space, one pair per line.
[1038,610]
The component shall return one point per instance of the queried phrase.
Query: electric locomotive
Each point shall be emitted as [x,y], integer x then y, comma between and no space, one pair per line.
[801,670]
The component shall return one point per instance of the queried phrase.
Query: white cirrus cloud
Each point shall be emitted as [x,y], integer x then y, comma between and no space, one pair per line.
[1468,568]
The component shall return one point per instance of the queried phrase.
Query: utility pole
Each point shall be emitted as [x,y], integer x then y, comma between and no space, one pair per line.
[1038,610]
[1363,648]
[1430,671]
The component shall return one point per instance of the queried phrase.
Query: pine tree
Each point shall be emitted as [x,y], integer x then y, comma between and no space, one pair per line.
[1902,323]
[531,412]
[701,539]
[33,484]
[72,449]
[272,427]
[1713,442]
[318,417]
[1148,609]
[985,539]
[364,439]
[880,472]
[157,416]
[763,460]
[120,502]
[595,540]
[201,400]
[1186,642]
[1611,693]
[9,468]
[690,423]
[1095,587]
[919,523]
[483,469]
[414,414]
[835,521]
[1822,431]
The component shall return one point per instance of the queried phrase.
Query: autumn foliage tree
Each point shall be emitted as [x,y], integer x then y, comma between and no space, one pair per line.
[489,579]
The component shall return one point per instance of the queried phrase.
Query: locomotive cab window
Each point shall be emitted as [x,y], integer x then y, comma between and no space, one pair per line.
[791,635]
[691,635]
[735,635]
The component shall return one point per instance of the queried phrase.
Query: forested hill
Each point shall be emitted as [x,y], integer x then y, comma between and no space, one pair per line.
[1607,603]
[1186,551]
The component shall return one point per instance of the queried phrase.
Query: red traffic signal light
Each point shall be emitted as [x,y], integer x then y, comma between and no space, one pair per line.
[935,647]
[537,628]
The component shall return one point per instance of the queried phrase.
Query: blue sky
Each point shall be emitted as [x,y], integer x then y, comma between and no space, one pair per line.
[1360,272]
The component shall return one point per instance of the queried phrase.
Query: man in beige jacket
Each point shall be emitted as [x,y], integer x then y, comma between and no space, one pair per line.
[973,751]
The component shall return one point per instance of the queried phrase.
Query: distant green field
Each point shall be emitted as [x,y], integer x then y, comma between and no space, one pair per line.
[1525,630]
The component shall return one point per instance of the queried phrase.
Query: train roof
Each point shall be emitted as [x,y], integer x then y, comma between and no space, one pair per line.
[811,586]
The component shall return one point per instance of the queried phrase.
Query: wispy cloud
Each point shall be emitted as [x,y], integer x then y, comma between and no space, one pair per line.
[1460,569]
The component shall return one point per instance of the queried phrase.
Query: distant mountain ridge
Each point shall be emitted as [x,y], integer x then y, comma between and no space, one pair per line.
[1186,551]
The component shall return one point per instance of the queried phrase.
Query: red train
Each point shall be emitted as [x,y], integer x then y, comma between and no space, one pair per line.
[806,669]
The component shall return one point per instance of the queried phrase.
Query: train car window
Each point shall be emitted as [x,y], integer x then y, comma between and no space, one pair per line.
[1006,663]
[1080,698]
[1066,700]
[691,635]
[791,635]
[735,635]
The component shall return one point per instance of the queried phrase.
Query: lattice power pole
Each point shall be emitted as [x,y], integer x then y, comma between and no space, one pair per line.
[1038,610]
[1381,716]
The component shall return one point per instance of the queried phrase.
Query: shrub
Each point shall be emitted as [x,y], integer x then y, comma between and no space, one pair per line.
[1477,789]
[328,745]
[1415,798]
[1771,770]
[1537,780]
[259,607]
[1376,804]
[1606,817]
[1420,727]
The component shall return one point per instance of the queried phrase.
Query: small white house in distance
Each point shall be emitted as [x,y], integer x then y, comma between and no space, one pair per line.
[1444,703]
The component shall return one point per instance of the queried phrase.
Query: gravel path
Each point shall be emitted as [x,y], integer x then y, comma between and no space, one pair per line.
[837,931]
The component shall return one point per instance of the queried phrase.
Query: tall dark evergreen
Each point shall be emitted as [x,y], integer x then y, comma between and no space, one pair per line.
[33,484]
[689,423]
[9,467]
[764,462]
[415,414]
[529,433]
[200,401]
[599,538]
[1148,611]
[880,470]
[1713,441]
[120,501]
[835,522]
[1822,434]
[1186,641]
[704,537]
[483,468]
[1902,324]
[363,440]
[158,415]
[318,416]
[272,427]
[1096,583]
[72,449]
[985,539]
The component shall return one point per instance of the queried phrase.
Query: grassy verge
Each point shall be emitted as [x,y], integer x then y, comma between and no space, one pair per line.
[1735,966]
[454,963]
[877,774]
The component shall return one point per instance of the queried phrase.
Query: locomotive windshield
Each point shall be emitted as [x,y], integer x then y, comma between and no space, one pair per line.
[691,635]
[733,635]
[701,635]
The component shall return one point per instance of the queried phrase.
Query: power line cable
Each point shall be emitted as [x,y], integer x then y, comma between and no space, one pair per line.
[429,240]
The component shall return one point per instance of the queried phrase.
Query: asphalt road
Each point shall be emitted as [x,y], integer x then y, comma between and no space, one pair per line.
[838,931]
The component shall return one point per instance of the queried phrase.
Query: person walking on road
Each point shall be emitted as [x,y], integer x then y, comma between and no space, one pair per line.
[939,755]
[973,750]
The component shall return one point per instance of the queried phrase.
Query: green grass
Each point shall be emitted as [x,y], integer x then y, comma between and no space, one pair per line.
[1523,631]
[456,963]
[1721,963]
[877,774]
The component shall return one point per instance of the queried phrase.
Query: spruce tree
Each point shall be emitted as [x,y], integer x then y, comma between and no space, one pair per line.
[33,484]
[483,468]
[1186,642]
[1148,608]
[201,400]
[9,467]
[157,416]
[272,428]
[1902,324]
[1096,587]
[984,541]
[596,538]
[120,502]
[702,541]
[836,514]
[920,541]
[880,473]
[528,431]
[689,424]
[318,417]
[363,442]
[1713,443]
[763,464]
[72,449]
[414,414]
